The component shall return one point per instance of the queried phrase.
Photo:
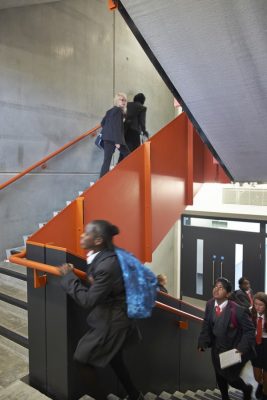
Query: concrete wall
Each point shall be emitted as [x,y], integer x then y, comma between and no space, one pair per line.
[166,259]
[61,64]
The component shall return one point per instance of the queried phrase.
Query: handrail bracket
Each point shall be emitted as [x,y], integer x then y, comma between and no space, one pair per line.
[39,280]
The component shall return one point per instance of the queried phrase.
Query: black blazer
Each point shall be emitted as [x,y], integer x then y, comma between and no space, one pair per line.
[233,329]
[136,117]
[227,336]
[105,301]
[112,126]
[241,298]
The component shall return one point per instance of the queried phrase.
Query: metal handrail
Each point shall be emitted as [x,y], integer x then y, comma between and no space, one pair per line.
[51,269]
[183,302]
[45,159]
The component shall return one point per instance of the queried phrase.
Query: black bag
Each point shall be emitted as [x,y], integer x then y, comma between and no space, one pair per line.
[99,142]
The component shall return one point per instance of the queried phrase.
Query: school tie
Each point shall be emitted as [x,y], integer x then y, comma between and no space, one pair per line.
[250,298]
[217,310]
[259,331]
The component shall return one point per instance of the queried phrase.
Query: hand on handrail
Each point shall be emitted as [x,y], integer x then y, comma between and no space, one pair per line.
[65,269]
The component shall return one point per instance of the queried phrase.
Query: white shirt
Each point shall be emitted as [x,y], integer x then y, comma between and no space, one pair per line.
[222,306]
[90,256]
[264,333]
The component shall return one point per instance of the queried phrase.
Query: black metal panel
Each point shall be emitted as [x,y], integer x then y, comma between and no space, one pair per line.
[154,362]
[196,370]
[36,324]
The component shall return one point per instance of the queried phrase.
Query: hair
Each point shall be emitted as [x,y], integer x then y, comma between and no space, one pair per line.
[262,297]
[105,230]
[161,277]
[242,280]
[140,97]
[118,95]
[226,284]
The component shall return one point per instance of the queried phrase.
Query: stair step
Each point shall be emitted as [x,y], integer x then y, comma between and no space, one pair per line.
[14,288]
[178,395]
[20,390]
[14,250]
[14,318]
[190,394]
[68,202]
[55,213]
[14,270]
[164,396]
[41,224]
[14,363]
[150,396]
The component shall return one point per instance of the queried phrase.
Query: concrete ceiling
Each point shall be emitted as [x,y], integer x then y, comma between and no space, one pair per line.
[214,53]
[20,3]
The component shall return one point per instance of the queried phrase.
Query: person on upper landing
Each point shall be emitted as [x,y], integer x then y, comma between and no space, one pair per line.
[243,296]
[113,132]
[135,122]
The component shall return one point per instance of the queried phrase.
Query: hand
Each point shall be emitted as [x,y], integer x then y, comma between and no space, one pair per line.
[146,134]
[118,146]
[65,269]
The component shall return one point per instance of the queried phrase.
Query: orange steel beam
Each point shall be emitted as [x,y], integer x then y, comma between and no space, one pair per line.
[112,4]
[45,159]
[190,177]
[147,203]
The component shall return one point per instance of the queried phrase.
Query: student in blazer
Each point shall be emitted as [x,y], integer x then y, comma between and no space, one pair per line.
[109,327]
[227,326]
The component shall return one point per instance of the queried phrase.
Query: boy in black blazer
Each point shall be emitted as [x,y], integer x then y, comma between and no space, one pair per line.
[227,326]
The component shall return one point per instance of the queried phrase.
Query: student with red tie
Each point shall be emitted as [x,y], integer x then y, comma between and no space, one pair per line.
[227,326]
[259,317]
[243,296]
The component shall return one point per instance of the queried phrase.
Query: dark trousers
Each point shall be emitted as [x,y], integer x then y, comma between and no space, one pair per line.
[238,383]
[109,148]
[120,369]
[132,139]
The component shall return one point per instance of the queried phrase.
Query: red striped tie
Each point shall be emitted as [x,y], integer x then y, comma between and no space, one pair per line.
[217,310]
[259,331]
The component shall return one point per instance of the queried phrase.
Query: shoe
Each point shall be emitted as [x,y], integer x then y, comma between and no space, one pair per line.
[258,392]
[247,393]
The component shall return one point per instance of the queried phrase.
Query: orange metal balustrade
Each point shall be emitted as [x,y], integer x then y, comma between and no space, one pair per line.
[50,269]
[144,195]
[43,161]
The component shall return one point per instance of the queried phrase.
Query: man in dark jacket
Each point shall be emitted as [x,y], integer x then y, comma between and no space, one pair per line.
[243,296]
[135,123]
[227,326]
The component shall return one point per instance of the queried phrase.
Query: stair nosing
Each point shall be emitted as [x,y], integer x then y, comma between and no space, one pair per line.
[14,274]
[15,337]
[15,302]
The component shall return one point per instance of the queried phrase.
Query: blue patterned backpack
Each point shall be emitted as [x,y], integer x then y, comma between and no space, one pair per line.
[140,285]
